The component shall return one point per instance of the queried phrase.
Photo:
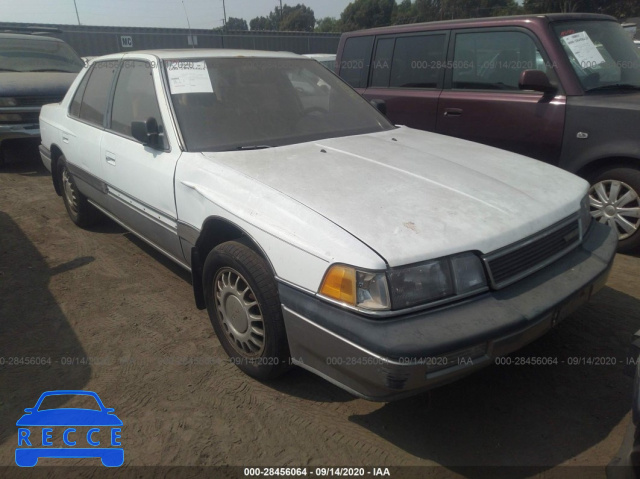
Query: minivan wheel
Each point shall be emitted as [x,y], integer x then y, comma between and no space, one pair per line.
[81,212]
[614,199]
[244,309]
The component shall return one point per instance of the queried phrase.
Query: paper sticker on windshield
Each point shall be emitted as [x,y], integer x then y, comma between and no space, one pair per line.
[189,77]
[583,49]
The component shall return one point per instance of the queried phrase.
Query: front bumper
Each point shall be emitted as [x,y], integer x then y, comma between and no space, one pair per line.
[626,464]
[20,130]
[386,359]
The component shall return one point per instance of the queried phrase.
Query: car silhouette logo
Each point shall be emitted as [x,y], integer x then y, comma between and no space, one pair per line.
[34,444]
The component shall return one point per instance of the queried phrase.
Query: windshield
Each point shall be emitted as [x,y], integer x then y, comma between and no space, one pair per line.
[227,104]
[25,55]
[601,53]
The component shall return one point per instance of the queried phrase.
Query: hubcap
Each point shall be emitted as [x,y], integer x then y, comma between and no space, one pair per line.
[617,204]
[69,191]
[239,313]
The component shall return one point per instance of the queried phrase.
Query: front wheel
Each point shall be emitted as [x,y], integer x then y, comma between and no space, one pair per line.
[614,200]
[244,309]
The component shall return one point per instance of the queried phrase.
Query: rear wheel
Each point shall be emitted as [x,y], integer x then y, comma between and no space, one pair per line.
[81,212]
[614,200]
[244,309]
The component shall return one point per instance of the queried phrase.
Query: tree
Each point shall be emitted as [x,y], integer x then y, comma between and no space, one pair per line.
[403,13]
[236,24]
[297,19]
[367,14]
[618,8]
[328,25]
[263,23]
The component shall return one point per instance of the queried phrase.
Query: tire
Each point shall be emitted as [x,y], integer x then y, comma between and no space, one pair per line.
[615,200]
[244,309]
[81,212]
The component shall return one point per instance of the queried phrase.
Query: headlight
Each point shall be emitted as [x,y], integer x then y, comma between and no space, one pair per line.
[585,214]
[405,287]
[362,289]
[8,102]
[437,279]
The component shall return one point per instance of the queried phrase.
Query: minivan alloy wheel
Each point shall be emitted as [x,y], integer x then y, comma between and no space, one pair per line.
[616,203]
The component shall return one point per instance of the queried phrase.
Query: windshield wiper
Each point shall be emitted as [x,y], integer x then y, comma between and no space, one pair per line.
[8,70]
[616,86]
[254,147]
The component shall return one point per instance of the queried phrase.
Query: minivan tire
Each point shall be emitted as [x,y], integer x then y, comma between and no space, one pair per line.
[614,197]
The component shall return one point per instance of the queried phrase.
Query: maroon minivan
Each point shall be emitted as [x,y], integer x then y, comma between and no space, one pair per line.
[562,88]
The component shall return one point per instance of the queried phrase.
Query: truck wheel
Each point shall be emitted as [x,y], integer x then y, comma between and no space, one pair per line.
[81,212]
[244,309]
[614,201]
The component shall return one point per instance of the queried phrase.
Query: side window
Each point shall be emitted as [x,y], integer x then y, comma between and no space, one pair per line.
[135,97]
[74,108]
[493,60]
[382,62]
[418,61]
[96,95]
[356,57]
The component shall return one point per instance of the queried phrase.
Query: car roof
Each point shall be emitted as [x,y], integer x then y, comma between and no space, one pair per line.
[23,36]
[485,22]
[187,53]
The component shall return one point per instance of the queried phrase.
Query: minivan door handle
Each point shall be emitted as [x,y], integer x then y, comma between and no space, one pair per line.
[111,158]
[453,112]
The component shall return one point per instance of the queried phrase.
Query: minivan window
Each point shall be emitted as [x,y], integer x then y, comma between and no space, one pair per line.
[94,101]
[417,61]
[381,68]
[356,57]
[493,60]
[601,53]
[135,97]
[38,55]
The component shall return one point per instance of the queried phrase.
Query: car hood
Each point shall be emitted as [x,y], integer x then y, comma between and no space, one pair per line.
[69,417]
[35,83]
[411,195]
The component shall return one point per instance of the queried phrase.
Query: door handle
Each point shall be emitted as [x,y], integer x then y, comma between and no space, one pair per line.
[111,158]
[65,139]
[453,112]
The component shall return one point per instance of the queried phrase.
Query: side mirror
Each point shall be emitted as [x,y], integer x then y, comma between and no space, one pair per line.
[109,410]
[536,80]
[147,132]
[29,410]
[380,105]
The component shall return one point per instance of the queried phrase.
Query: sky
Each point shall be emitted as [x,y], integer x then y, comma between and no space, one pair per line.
[152,13]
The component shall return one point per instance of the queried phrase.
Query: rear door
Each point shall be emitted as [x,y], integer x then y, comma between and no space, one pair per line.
[482,102]
[140,178]
[407,73]
[82,136]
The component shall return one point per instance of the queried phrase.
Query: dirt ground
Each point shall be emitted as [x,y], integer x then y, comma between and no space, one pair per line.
[116,318]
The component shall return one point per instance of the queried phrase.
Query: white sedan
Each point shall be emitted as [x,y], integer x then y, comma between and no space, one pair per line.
[386,260]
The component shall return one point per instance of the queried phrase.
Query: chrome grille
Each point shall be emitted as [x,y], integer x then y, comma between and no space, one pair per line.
[516,261]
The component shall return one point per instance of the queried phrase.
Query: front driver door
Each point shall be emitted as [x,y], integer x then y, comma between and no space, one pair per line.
[140,178]
[484,103]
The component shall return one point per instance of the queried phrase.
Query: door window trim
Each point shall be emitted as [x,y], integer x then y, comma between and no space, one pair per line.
[553,77]
[395,37]
[112,94]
